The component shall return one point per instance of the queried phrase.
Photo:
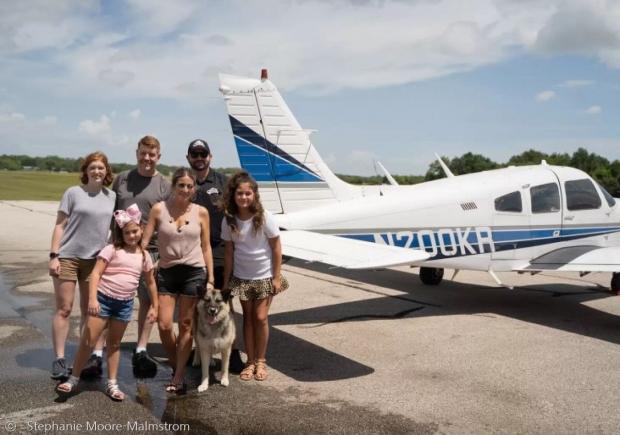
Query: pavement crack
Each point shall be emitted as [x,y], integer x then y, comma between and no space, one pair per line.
[398,315]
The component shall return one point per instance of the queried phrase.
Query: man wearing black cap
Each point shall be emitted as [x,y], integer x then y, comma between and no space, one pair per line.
[210,187]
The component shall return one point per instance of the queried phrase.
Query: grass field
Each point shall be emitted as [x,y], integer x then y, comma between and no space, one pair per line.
[35,185]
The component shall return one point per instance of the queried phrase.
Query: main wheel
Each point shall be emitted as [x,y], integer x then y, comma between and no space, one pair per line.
[431,275]
[615,283]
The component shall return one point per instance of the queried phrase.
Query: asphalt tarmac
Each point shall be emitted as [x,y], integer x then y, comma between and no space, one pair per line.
[350,352]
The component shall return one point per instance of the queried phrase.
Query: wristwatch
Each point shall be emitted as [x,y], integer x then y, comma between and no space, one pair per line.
[54,255]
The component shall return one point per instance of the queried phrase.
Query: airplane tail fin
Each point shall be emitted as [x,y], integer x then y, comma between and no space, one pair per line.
[275,150]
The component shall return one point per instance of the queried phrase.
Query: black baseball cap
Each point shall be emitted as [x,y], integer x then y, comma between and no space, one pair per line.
[198,145]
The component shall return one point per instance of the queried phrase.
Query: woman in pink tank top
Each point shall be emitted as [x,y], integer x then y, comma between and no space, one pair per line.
[185,267]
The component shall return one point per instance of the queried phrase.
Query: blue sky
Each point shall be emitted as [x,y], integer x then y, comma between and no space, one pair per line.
[389,80]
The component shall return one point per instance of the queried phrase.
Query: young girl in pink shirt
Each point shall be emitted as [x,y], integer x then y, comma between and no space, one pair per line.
[112,288]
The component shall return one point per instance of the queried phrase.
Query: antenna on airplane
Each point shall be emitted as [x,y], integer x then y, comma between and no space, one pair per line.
[445,168]
[389,177]
[264,74]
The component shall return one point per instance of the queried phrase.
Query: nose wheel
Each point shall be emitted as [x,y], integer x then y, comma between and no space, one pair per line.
[615,283]
[431,275]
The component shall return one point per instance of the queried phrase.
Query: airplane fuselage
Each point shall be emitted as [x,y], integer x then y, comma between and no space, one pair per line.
[497,220]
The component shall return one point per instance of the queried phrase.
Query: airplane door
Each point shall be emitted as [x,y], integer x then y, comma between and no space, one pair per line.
[545,208]
[510,221]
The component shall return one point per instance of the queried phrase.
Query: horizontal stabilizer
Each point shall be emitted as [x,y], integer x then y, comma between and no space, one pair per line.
[344,252]
[578,259]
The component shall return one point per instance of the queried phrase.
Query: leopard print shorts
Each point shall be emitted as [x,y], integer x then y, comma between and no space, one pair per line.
[254,289]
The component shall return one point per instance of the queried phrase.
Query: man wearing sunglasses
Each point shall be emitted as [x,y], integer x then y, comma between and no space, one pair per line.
[210,186]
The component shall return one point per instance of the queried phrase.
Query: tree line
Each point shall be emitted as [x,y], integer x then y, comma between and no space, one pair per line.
[606,172]
[66,164]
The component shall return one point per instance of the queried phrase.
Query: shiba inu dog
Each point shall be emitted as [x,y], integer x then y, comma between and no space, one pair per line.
[214,333]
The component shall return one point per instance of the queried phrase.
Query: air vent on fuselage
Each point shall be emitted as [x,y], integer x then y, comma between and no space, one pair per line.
[469,206]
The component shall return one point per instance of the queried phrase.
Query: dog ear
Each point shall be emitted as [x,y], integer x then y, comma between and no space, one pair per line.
[226,295]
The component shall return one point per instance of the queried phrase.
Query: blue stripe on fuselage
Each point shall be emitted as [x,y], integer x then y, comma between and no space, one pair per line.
[445,242]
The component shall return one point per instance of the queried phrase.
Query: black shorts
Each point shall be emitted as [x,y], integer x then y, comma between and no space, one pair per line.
[181,280]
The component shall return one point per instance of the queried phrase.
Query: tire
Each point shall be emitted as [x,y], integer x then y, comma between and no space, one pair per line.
[615,283]
[431,275]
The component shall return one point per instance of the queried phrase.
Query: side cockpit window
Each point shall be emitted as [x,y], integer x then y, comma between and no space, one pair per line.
[611,201]
[509,202]
[581,195]
[545,198]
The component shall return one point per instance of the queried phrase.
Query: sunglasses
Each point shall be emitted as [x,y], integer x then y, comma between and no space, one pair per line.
[196,154]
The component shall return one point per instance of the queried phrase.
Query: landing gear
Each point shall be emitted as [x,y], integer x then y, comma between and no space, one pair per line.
[433,275]
[615,283]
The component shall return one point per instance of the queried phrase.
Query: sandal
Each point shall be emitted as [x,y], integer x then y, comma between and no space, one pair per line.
[179,388]
[68,386]
[261,370]
[248,372]
[114,392]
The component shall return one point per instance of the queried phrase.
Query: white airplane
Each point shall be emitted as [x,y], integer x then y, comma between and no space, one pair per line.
[524,219]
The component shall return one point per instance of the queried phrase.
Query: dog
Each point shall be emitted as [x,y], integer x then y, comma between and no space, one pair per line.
[214,332]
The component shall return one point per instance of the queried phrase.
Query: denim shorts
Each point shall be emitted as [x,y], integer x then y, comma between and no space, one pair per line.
[181,280]
[110,308]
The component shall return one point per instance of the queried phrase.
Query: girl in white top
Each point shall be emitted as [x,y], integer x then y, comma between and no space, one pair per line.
[253,256]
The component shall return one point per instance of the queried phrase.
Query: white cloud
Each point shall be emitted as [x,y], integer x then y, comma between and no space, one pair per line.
[598,24]
[96,128]
[575,83]
[50,120]
[158,17]
[160,48]
[12,117]
[594,110]
[135,114]
[41,24]
[545,96]
[157,48]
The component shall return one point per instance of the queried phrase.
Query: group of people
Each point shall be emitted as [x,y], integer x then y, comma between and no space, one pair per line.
[171,241]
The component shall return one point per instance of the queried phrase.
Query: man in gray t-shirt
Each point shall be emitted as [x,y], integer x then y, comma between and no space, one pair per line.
[145,187]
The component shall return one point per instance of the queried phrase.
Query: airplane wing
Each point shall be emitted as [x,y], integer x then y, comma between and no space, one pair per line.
[578,259]
[345,252]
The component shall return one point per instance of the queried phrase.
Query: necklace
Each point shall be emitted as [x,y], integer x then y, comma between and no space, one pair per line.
[171,208]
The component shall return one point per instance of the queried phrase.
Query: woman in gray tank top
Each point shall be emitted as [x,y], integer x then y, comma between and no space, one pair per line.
[80,232]
[184,253]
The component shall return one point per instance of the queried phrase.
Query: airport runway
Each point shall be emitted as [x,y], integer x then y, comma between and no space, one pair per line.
[350,352]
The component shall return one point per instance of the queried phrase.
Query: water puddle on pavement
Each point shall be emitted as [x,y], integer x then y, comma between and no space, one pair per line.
[37,311]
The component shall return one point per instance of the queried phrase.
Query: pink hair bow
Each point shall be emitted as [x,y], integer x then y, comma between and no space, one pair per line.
[132,214]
